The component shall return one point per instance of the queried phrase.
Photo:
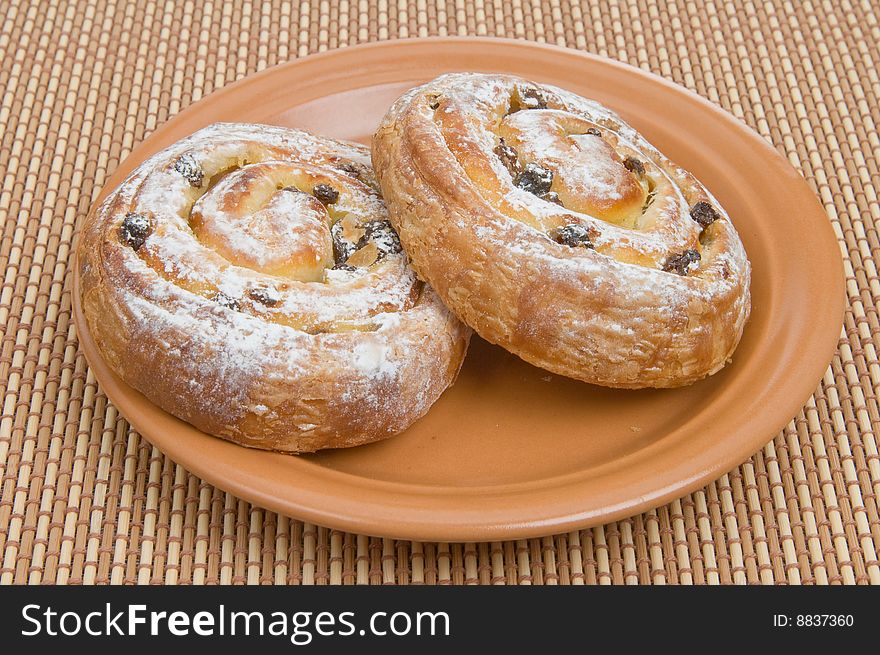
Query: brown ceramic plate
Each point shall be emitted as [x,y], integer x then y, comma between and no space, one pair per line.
[512,450]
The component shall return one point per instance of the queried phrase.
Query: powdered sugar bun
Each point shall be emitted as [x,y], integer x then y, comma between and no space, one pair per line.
[557,231]
[247,280]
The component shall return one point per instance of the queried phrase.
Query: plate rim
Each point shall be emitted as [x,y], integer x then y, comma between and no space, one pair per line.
[418,527]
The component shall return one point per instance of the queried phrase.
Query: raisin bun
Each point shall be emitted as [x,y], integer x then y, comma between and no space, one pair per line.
[247,280]
[555,230]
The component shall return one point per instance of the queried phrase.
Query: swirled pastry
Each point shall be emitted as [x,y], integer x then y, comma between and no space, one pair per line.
[555,230]
[247,280]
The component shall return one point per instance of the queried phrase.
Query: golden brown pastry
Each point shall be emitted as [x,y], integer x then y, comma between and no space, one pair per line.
[247,280]
[555,230]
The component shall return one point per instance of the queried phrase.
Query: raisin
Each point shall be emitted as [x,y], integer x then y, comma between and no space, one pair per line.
[508,156]
[135,229]
[592,131]
[325,193]
[531,98]
[383,235]
[534,179]
[343,267]
[265,296]
[189,169]
[634,166]
[292,189]
[551,196]
[704,214]
[342,248]
[226,301]
[683,263]
[350,169]
[573,235]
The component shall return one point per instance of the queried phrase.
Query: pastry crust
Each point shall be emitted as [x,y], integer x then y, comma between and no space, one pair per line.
[247,281]
[545,223]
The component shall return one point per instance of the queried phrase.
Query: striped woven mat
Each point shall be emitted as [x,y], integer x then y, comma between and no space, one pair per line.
[84,499]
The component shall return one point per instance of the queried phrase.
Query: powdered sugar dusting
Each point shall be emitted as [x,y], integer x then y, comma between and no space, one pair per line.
[554,137]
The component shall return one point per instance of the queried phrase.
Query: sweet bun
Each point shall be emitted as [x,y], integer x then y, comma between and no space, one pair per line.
[557,231]
[246,280]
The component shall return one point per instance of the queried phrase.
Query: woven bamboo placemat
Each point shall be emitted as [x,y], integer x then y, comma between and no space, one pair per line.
[85,499]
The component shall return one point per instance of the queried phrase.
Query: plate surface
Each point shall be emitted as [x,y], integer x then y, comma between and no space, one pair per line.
[512,450]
